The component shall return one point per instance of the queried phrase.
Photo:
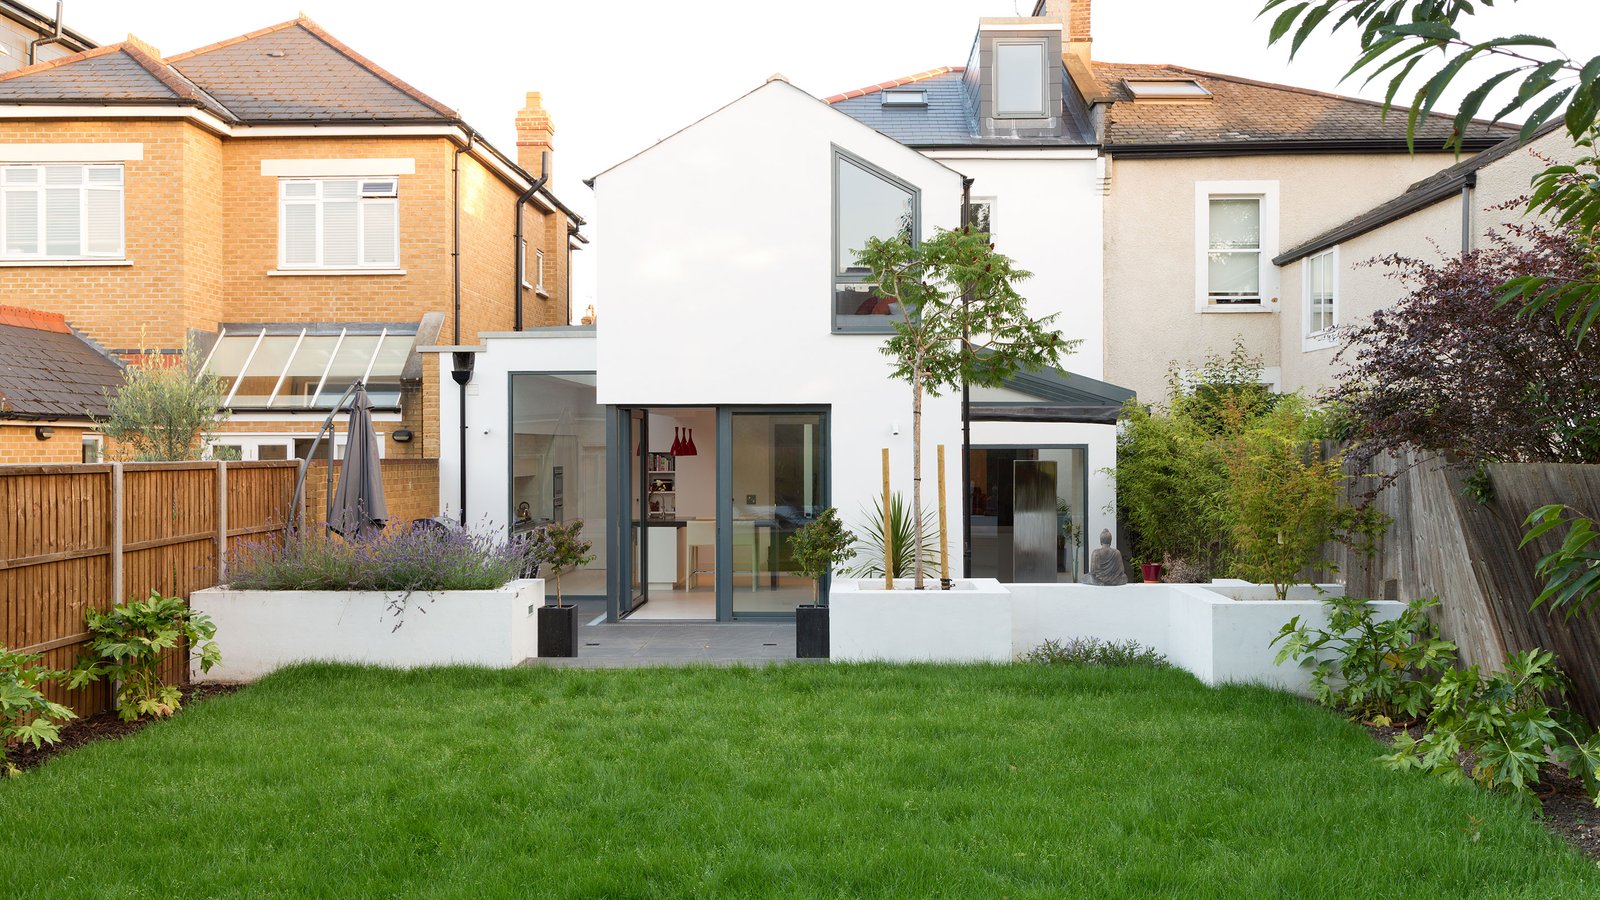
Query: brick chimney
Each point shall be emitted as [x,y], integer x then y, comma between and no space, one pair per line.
[534,134]
[1074,18]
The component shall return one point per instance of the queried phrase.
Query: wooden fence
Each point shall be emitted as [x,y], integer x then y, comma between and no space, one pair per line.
[1444,543]
[79,537]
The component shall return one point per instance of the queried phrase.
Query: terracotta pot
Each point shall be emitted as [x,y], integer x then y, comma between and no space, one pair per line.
[1152,572]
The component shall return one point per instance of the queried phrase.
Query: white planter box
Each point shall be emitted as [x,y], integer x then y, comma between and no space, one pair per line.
[260,631]
[971,622]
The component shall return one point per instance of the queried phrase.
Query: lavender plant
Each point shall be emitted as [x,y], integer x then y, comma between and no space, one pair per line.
[404,560]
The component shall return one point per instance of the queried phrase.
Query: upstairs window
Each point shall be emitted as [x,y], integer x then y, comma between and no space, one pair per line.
[339,223]
[867,203]
[538,271]
[1233,272]
[61,212]
[1019,79]
[1322,298]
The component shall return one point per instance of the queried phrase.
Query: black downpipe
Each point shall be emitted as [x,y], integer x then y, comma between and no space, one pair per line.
[455,253]
[966,409]
[521,257]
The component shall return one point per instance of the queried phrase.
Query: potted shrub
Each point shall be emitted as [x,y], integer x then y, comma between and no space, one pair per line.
[557,547]
[822,544]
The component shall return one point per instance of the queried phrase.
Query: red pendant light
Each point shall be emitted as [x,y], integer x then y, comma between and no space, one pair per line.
[688,445]
[677,442]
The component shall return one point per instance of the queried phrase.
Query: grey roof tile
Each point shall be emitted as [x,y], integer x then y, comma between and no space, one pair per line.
[48,372]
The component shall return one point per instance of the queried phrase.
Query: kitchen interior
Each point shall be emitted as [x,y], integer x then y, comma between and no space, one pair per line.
[776,480]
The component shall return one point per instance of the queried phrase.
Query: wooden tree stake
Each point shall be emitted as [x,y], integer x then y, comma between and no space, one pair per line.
[888,532]
[944,535]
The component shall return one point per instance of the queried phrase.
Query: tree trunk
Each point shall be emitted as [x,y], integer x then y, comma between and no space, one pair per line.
[916,476]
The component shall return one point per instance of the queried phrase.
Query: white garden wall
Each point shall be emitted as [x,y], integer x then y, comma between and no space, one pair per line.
[1221,633]
[261,631]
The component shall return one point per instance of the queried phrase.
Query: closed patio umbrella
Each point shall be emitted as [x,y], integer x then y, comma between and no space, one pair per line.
[358,504]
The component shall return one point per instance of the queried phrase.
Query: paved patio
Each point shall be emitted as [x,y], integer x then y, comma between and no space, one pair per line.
[626,644]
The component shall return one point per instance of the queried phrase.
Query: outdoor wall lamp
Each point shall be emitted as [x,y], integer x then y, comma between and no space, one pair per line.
[402,436]
[461,366]
[43,432]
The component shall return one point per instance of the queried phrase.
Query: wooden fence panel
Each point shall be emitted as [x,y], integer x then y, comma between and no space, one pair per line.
[63,550]
[1444,543]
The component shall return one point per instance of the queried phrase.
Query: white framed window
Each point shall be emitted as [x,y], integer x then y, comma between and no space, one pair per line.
[339,223]
[94,448]
[1236,236]
[252,447]
[538,271]
[522,258]
[61,211]
[1320,288]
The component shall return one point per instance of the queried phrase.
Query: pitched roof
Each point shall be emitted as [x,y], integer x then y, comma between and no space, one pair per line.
[289,72]
[295,71]
[894,83]
[49,372]
[947,119]
[1245,113]
[1441,185]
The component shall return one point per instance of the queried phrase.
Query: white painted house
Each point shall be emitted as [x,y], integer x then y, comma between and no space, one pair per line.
[752,337]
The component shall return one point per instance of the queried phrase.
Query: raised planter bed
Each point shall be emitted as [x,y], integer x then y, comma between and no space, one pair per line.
[260,631]
[971,622]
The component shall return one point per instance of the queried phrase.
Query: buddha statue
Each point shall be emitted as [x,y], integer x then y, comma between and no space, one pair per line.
[1105,564]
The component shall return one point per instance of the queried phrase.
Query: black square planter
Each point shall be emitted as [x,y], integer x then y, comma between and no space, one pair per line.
[558,630]
[810,632]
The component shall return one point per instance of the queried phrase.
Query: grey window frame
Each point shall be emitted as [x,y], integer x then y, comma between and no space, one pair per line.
[844,325]
[1043,111]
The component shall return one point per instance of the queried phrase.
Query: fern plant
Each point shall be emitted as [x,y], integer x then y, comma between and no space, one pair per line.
[26,715]
[128,643]
[906,544]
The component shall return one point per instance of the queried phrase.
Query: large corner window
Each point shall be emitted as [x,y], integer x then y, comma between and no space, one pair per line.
[1321,290]
[1019,79]
[50,212]
[867,203]
[339,223]
[293,367]
[1235,237]
[558,465]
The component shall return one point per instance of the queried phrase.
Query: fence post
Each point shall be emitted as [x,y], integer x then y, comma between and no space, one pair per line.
[222,521]
[117,504]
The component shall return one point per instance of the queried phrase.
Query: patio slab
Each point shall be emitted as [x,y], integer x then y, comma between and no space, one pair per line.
[629,644]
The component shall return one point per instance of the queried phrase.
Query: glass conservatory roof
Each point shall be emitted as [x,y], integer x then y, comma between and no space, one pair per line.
[310,365]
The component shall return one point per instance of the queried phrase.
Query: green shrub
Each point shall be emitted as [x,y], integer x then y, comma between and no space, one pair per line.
[1376,671]
[907,549]
[558,547]
[1095,652]
[26,716]
[1171,488]
[1506,726]
[820,545]
[128,643]
[399,559]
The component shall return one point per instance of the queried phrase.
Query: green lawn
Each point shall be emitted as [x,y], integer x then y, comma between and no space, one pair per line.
[787,781]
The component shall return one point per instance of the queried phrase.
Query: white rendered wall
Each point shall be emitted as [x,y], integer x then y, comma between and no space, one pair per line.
[489,415]
[715,287]
[1046,214]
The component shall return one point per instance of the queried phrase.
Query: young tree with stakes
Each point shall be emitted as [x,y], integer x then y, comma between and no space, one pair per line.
[961,320]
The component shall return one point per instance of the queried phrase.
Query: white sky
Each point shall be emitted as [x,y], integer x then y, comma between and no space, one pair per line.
[618,76]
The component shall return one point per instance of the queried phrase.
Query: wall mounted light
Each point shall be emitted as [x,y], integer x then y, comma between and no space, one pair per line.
[401,436]
[43,432]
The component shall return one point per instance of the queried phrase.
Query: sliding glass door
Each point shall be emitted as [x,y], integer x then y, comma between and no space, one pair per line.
[774,481]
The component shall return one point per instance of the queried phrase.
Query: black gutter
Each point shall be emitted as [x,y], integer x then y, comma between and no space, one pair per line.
[521,257]
[966,408]
[1281,147]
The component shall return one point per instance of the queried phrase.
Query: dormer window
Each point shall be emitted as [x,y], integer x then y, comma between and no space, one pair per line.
[905,99]
[1166,89]
[1020,73]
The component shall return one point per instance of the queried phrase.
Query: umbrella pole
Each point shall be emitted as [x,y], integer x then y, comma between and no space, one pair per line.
[296,510]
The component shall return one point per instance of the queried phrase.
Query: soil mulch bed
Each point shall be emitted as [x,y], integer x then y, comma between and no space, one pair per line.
[104,726]
[1568,811]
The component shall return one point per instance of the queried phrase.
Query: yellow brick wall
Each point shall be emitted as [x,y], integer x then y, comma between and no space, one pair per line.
[19,446]
[203,300]
[120,306]
[410,490]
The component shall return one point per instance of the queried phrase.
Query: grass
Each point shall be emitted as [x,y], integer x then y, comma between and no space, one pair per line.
[790,781]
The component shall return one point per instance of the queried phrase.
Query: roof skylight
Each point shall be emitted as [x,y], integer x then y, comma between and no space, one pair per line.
[1166,89]
[905,98]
